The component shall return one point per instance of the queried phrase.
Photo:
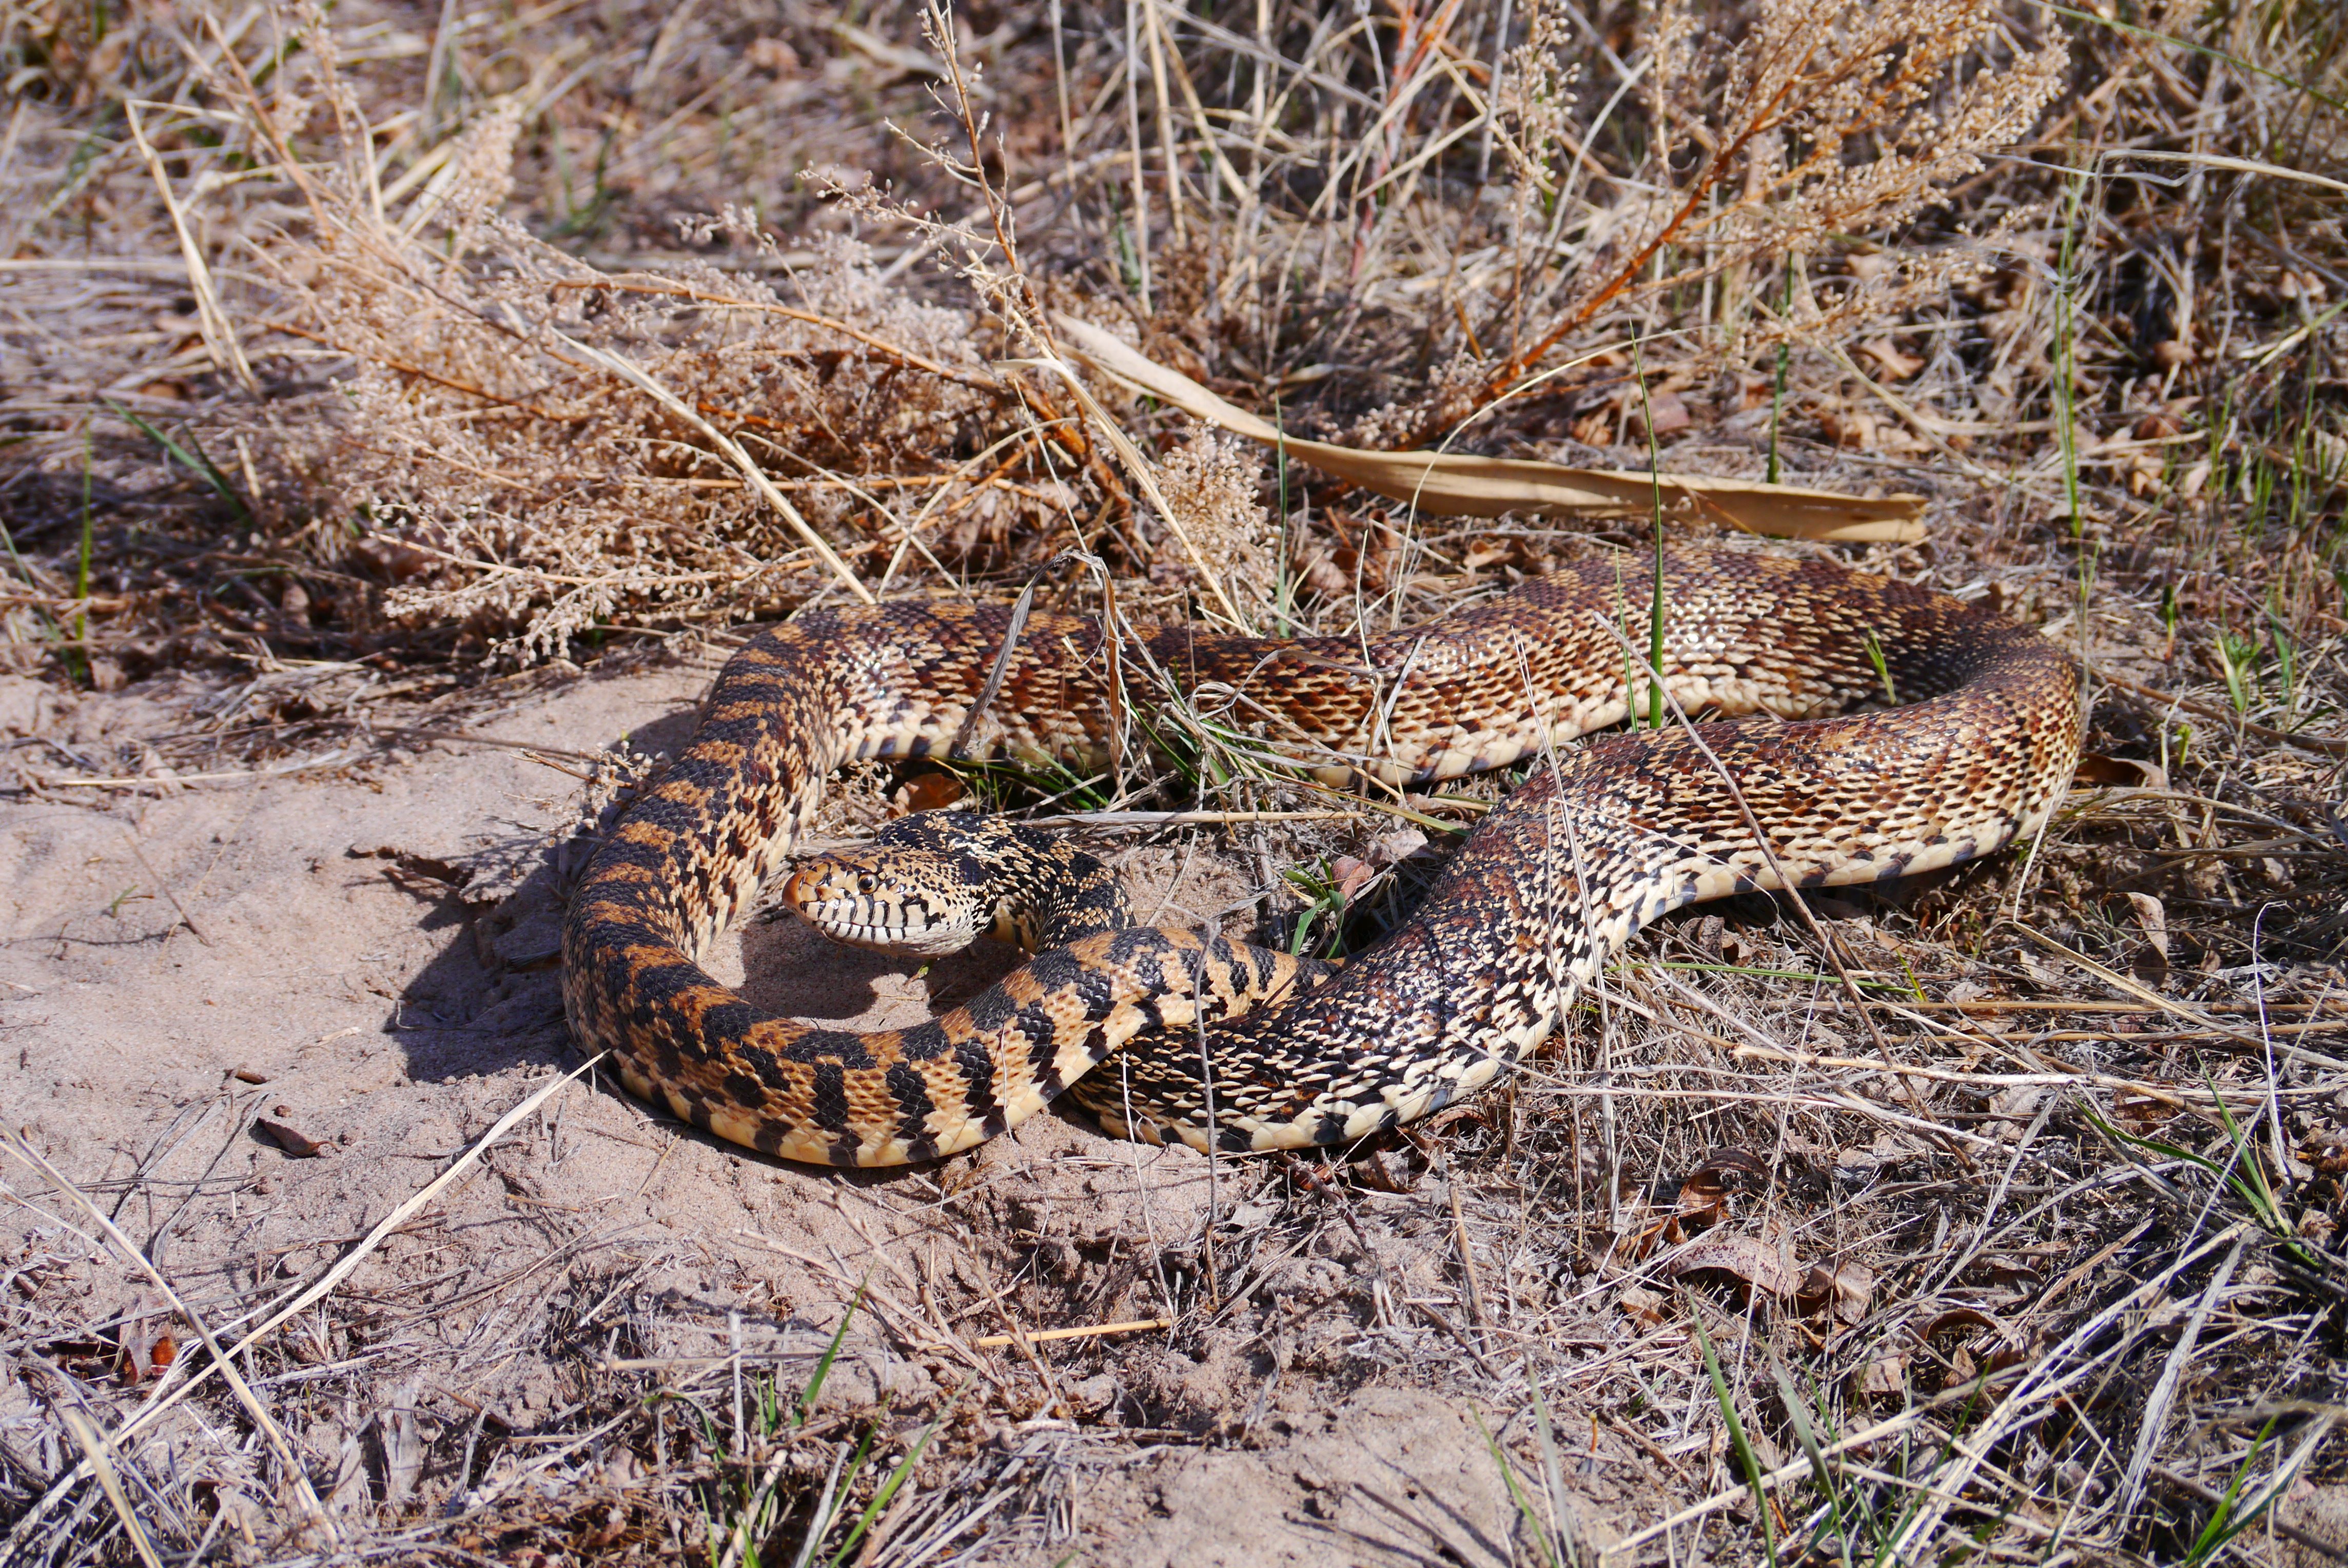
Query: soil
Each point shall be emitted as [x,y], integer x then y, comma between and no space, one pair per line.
[251,1018]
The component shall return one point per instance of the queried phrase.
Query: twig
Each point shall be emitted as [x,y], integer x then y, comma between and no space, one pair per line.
[2176,1009]
[1044,1335]
[332,760]
[1459,1236]
[219,336]
[324,1285]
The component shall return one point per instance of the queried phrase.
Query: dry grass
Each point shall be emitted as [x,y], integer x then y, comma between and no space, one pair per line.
[466,343]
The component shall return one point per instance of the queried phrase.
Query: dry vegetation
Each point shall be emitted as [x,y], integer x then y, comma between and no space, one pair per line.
[359,368]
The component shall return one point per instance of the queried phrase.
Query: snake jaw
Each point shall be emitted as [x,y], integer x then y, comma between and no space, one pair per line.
[859,899]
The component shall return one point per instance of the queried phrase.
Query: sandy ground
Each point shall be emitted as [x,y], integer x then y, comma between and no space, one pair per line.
[369,960]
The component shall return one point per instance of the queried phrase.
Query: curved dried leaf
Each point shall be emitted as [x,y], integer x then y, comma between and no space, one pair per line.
[1461,484]
[1748,1260]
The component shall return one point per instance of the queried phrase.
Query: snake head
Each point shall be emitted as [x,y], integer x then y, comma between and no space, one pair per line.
[915,902]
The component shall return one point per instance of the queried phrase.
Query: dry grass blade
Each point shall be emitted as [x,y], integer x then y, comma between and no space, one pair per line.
[341,1269]
[295,1476]
[95,1446]
[755,475]
[1145,474]
[219,334]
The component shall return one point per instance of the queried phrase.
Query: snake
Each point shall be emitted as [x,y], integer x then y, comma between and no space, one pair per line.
[1820,726]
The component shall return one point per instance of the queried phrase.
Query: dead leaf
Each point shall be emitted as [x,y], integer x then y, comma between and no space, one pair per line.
[1724,1172]
[1994,1347]
[1661,415]
[1847,1289]
[1957,1317]
[1456,484]
[2005,1269]
[895,59]
[926,792]
[2127,772]
[1900,367]
[298,1145]
[2153,915]
[1393,849]
[772,55]
[1883,1376]
[1373,1171]
[1352,875]
[1641,1305]
[1848,427]
[2016,1104]
[1747,1260]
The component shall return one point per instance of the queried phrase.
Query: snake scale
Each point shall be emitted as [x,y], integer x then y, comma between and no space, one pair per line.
[1792,659]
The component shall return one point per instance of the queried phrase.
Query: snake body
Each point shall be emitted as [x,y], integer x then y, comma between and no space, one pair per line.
[1240,1046]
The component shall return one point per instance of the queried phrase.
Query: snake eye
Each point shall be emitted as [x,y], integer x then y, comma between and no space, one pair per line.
[864,885]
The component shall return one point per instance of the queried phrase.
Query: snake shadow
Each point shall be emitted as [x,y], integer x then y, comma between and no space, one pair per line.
[490,998]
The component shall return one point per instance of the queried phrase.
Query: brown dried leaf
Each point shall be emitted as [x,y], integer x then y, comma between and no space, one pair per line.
[296,1144]
[1667,411]
[1748,1260]
[1461,484]
[1847,1289]
[1724,1172]
[1900,367]
[926,792]
[2153,915]
[1352,875]
[1884,1375]
[2125,773]
[1641,1305]
[1393,849]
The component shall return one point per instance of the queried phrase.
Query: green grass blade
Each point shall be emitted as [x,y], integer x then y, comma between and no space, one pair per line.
[2215,1534]
[1738,1441]
[830,1353]
[1791,1398]
[888,1489]
[1546,1547]
[195,462]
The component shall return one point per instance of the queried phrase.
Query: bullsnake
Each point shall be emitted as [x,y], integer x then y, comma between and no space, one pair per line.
[1799,659]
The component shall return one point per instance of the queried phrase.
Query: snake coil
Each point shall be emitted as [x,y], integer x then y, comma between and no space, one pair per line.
[1796,656]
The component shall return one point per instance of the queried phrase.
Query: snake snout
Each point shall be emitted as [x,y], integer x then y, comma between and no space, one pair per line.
[884,905]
